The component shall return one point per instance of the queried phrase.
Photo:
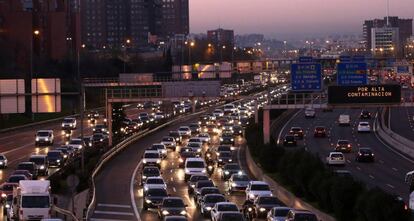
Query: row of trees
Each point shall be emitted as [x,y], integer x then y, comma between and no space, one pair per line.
[309,178]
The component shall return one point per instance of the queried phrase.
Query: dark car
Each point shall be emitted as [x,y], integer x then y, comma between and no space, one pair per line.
[209,201]
[343,146]
[244,121]
[289,140]
[193,181]
[16,178]
[195,128]
[365,155]
[172,206]
[212,129]
[23,172]
[237,130]
[230,169]
[185,152]
[297,132]
[201,184]
[227,138]
[263,204]
[99,140]
[204,191]
[153,197]
[100,128]
[29,166]
[320,131]
[222,148]
[42,164]
[55,158]
[224,157]
[177,137]
[238,182]
[365,114]
[230,216]
[149,172]
[203,120]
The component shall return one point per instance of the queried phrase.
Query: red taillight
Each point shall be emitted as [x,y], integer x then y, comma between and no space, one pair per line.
[21,212]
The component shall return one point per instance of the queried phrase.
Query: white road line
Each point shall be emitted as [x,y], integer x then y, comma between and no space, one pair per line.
[175,190]
[358,168]
[381,161]
[134,204]
[348,161]
[372,177]
[395,169]
[390,186]
[284,127]
[113,213]
[113,205]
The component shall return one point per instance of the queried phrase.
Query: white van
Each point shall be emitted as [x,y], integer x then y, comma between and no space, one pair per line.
[194,166]
[344,120]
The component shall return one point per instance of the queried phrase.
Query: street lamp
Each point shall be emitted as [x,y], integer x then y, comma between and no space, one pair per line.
[128,41]
[32,37]
[192,44]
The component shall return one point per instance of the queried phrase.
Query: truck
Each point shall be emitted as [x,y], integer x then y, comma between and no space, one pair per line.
[32,200]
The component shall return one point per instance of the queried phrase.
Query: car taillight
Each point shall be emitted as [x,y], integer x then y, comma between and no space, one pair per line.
[349,145]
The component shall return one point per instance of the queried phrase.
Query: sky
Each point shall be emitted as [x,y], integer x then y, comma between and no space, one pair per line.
[295,18]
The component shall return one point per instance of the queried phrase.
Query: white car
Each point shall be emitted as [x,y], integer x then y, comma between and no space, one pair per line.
[69,123]
[256,189]
[159,116]
[151,158]
[204,137]
[364,127]
[194,166]
[155,182]
[344,119]
[310,112]
[44,137]
[162,150]
[278,213]
[195,140]
[76,144]
[169,142]
[335,158]
[184,131]
[196,147]
[3,161]
[218,113]
[222,207]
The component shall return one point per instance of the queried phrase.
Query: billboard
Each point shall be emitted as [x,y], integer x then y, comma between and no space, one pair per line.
[12,99]
[46,95]
[225,70]
[369,94]
[352,73]
[244,67]
[306,77]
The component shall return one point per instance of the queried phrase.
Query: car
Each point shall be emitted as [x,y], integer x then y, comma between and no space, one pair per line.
[296,132]
[224,157]
[16,178]
[25,173]
[200,185]
[195,128]
[153,197]
[244,121]
[310,112]
[263,204]
[230,169]
[176,135]
[208,202]
[149,171]
[227,127]
[222,207]
[69,123]
[222,121]
[44,137]
[159,116]
[99,140]
[162,150]
[151,158]
[278,213]
[145,119]
[55,158]
[204,137]
[289,140]
[193,181]
[229,108]
[66,150]
[364,127]
[3,161]
[169,142]
[365,114]
[233,216]
[204,191]
[194,166]
[237,130]
[218,113]
[257,188]
[42,164]
[154,182]
[212,129]
[87,140]
[343,173]
[7,205]
[365,154]
[100,128]
[185,152]
[184,131]
[320,131]
[343,146]
[7,189]
[195,147]
[335,158]
[227,138]
[223,148]
[175,218]
[76,143]
[344,120]
[172,206]
[238,182]
[203,120]
[29,166]
[296,215]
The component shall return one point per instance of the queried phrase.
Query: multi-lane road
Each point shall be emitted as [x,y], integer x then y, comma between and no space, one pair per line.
[387,172]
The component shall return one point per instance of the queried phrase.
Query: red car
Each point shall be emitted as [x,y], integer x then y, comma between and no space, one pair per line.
[296,131]
[320,131]
[7,189]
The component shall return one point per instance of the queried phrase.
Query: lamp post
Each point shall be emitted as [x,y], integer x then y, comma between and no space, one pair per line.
[32,38]
[128,41]
[221,54]
[192,44]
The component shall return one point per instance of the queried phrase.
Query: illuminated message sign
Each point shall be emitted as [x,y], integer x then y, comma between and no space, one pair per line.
[46,95]
[370,94]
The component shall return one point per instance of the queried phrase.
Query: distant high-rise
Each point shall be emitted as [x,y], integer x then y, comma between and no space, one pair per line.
[385,41]
[221,37]
[111,23]
[405,30]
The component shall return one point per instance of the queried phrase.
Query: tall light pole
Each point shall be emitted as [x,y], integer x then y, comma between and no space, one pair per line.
[192,44]
[128,41]
[81,105]
[32,38]
[221,53]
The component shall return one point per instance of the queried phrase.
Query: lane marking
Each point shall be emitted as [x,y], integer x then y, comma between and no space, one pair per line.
[114,205]
[372,177]
[113,213]
[358,168]
[395,169]
[134,205]
[391,186]
[381,161]
[175,190]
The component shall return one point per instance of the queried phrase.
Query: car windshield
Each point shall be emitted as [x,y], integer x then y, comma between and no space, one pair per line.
[168,139]
[320,128]
[232,167]
[173,203]
[68,120]
[195,140]
[7,187]
[289,138]
[174,134]
[363,124]
[97,136]
[281,212]
[241,178]
[151,155]
[16,179]
[227,207]
[43,134]
[268,200]
[183,129]
[209,190]
[53,154]
[143,114]
[37,160]
[214,199]
[343,142]
[232,217]
[151,171]
[225,154]
[28,167]
[223,148]
[336,155]
[296,129]
[195,164]
[195,145]
[155,181]
[2,157]
[260,187]
[365,150]
[197,178]
[35,202]
[202,184]
[156,192]
[158,146]
[305,217]
[76,142]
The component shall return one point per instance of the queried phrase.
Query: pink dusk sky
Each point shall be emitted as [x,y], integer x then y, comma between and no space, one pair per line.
[292,17]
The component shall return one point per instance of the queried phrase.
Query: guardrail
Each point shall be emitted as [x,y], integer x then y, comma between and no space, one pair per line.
[67,215]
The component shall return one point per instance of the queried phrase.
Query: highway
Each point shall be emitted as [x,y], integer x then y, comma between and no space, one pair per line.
[402,121]
[387,172]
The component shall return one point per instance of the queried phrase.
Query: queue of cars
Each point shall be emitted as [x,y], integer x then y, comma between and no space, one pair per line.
[199,157]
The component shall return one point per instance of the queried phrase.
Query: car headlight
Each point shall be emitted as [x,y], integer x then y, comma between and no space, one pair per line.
[181,160]
[144,161]
[192,186]
[148,201]
[165,212]
[163,151]
[208,208]
[183,212]
[203,171]
[144,177]
[7,206]
[46,139]
[232,139]
[101,140]
[220,160]
[240,173]
[3,195]
[233,184]
[37,139]
[58,161]
[232,148]
[1,162]
[187,171]
[42,167]
[158,161]
[221,139]
[226,172]
[230,160]
[65,156]
[63,125]
[199,150]
[251,196]
[262,209]
[249,209]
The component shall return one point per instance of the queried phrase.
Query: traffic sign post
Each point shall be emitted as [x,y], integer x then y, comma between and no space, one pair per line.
[306,77]
[352,74]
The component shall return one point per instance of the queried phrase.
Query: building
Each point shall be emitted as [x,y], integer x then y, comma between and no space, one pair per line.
[46,28]
[114,23]
[405,29]
[221,37]
[385,41]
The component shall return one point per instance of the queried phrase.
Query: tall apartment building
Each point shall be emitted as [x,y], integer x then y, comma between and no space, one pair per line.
[221,37]
[47,28]
[110,23]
